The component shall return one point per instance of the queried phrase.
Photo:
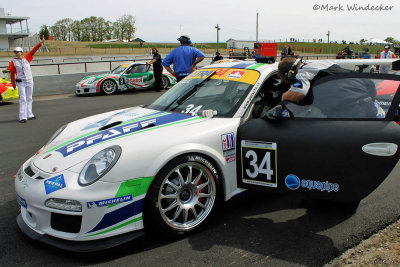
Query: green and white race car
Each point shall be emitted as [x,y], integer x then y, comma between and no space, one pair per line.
[127,76]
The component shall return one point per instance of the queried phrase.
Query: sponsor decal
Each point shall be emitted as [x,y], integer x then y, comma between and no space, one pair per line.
[228,141]
[108,202]
[237,74]
[118,131]
[22,202]
[230,159]
[245,76]
[132,81]
[203,161]
[221,72]
[294,183]
[200,74]
[54,184]
[298,85]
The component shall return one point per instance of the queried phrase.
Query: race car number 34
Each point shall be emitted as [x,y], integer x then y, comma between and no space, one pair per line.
[259,163]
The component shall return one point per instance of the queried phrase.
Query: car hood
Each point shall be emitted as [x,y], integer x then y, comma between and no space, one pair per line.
[82,139]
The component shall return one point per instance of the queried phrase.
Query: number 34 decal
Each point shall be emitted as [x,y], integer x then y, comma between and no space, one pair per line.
[259,163]
[192,109]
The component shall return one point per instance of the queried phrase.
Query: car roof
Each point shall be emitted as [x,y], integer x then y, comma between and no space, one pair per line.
[133,63]
[265,67]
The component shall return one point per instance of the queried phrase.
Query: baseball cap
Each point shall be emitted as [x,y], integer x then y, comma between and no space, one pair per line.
[387,46]
[183,38]
[18,49]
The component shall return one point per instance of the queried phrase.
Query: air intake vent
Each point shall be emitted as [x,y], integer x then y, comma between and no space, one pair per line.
[29,171]
[105,127]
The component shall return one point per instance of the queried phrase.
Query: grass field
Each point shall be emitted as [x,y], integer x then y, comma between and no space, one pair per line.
[65,48]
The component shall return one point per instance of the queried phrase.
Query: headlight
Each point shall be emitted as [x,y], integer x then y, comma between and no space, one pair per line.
[63,204]
[99,165]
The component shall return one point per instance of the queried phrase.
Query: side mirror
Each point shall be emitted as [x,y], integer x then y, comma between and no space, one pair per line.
[274,113]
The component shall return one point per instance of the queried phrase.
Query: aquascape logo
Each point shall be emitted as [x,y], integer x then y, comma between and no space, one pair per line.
[108,202]
[54,184]
[294,183]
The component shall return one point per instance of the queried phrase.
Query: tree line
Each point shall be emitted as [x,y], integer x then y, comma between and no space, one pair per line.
[91,29]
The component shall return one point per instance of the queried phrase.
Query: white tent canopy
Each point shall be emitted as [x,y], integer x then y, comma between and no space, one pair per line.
[377,42]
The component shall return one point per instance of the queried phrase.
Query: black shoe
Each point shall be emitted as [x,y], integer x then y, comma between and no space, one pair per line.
[32,118]
[22,121]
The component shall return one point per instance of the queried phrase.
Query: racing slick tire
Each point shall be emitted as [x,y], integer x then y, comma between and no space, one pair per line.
[183,196]
[109,87]
[165,82]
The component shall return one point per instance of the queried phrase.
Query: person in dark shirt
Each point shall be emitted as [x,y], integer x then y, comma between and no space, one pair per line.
[157,69]
[217,57]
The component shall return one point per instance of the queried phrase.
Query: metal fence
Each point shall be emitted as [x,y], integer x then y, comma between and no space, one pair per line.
[113,60]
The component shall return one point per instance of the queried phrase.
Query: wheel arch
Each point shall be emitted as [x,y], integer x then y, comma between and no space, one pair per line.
[100,83]
[210,154]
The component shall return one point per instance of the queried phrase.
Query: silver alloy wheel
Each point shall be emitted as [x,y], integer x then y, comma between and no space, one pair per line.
[109,87]
[187,196]
[165,82]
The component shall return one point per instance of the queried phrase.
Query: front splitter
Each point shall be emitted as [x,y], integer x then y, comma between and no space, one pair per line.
[78,246]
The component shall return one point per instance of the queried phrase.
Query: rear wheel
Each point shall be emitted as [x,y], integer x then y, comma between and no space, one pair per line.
[183,196]
[165,82]
[109,87]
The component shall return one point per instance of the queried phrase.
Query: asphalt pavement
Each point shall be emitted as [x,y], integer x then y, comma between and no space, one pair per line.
[252,229]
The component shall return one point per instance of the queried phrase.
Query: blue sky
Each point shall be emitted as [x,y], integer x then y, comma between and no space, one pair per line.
[164,21]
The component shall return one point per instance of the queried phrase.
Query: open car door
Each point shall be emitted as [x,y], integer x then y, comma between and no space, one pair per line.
[339,146]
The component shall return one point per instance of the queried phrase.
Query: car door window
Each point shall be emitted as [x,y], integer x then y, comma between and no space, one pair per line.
[348,98]
[139,69]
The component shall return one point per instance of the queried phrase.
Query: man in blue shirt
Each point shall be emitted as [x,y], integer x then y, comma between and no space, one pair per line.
[184,58]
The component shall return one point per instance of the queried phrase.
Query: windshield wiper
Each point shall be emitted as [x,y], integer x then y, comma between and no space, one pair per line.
[191,92]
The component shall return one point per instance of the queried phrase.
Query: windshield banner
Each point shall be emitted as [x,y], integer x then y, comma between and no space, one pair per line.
[240,75]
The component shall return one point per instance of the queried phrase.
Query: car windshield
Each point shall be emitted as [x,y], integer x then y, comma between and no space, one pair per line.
[119,69]
[218,90]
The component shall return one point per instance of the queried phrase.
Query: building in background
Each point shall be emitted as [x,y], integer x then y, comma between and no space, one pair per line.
[12,28]
[239,44]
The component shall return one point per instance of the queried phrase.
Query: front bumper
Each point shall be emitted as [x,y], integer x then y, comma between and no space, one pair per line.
[86,89]
[105,211]
[75,246]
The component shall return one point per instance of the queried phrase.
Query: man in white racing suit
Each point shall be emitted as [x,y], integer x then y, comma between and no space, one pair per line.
[20,67]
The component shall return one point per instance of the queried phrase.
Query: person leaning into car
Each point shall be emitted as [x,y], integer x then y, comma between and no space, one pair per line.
[299,76]
[20,66]
[157,69]
[184,58]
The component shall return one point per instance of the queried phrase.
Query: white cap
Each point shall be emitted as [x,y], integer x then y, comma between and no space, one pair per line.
[18,49]
[387,47]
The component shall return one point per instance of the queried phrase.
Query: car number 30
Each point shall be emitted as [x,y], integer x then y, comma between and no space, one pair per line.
[264,167]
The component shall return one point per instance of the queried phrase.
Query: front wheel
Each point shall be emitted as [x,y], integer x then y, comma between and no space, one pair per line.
[183,196]
[109,87]
[165,82]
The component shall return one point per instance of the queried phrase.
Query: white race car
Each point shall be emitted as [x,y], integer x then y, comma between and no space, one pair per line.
[128,76]
[166,167]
